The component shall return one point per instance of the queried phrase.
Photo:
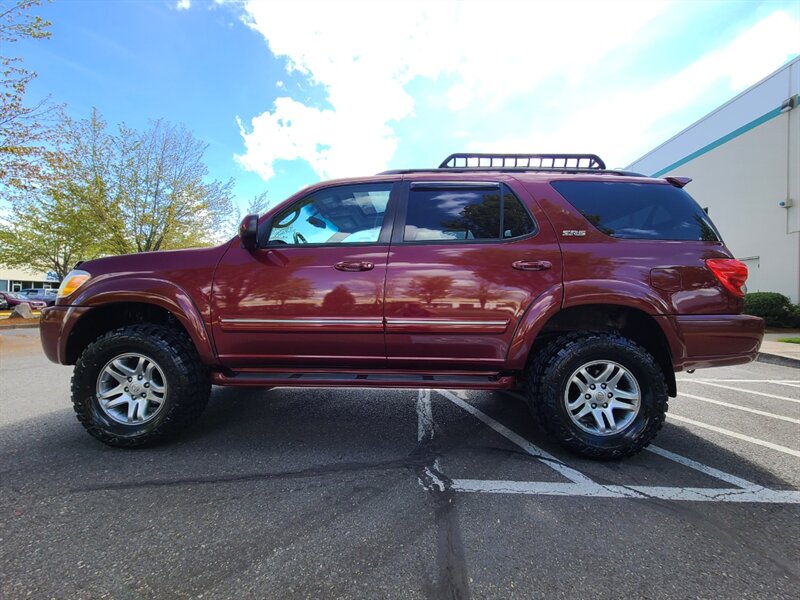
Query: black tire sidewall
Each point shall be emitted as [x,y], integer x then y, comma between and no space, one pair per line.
[97,356]
[644,369]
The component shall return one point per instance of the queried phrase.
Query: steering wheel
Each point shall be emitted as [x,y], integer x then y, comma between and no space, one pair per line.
[299,238]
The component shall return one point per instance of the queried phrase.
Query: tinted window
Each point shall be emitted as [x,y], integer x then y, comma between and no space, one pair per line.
[639,210]
[464,214]
[337,215]
[516,220]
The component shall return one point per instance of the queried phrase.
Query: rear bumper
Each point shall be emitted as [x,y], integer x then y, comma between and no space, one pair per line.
[700,341]
[55,327]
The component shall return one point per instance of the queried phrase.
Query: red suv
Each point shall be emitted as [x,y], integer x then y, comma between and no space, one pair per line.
[585,288]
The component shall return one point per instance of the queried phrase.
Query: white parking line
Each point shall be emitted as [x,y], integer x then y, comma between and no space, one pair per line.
[758,494]
[737,407]
[733,434]
[424,416]
[791,382]
[735,389]
[548,459]
[583,486]
[710,471]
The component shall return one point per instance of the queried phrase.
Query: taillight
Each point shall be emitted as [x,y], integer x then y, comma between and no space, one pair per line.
[731,273]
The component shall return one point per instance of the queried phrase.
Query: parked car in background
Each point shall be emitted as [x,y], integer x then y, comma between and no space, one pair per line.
[3,304]
[15,298]
[46,295]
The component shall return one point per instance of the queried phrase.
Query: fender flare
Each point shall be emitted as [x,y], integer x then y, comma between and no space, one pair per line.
[539,312]
[584,292]
[105,291]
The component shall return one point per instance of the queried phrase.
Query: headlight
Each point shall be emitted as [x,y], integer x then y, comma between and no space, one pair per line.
[75,279]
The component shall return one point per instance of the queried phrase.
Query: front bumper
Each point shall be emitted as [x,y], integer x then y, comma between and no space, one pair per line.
[55,327]
[700,341]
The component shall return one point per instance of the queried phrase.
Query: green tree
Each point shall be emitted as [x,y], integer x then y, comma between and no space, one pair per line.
[26,135]
[149,189]
[47,231]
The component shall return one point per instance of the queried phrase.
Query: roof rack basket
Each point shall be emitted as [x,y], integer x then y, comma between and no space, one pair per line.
[467,160]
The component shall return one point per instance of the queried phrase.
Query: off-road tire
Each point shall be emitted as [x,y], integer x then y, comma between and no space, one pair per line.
[188,384]
[549,371]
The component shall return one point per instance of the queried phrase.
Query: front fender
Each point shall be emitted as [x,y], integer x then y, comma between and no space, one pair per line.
[168,295]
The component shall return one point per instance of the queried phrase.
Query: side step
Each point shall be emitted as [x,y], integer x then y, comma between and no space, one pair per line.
[367,379]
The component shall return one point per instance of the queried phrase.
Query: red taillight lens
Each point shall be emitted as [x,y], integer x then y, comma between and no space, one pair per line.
[731,274]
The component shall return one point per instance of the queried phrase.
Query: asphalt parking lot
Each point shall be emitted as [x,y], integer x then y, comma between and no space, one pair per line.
[292,493]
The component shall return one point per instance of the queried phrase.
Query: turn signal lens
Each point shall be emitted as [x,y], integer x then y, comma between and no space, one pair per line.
[731,273]
[72,282]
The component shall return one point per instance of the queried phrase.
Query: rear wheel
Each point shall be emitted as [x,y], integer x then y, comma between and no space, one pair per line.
[599,394]
[138,385]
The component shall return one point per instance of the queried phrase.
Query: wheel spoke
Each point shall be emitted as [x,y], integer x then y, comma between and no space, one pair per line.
[108,394]
[119,401]
[625,395]
[598,418]
[603,377]
[612,423]
[139,366]
[141,409]
[123,368]
[621,405]
[614,381]
[584,411]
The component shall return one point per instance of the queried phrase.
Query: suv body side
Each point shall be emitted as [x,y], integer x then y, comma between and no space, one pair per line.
[202,288]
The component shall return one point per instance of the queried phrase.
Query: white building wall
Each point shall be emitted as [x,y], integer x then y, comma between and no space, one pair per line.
[744,159]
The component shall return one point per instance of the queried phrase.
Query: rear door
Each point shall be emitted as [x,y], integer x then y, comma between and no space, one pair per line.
[466,260]
[313,295]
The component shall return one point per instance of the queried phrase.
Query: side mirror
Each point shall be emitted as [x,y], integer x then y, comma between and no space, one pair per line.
[248,232]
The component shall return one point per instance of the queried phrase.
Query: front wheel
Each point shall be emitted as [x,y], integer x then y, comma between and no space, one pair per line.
[599,394]
[138,385]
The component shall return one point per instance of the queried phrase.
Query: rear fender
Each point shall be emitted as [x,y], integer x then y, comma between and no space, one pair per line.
[540,311]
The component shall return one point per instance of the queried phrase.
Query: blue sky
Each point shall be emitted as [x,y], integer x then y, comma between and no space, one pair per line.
[286,94]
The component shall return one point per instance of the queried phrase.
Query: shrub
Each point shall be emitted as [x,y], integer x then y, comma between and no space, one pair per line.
[776,309]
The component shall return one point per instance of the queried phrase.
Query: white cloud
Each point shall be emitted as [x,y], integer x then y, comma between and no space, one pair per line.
[365,54]
[643,110]
[183,4]
[480,56]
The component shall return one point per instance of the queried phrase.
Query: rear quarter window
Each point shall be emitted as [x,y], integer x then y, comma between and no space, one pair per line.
[640,211]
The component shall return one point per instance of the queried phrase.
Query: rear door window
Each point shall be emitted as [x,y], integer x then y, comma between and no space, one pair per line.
[445,212]
[639,210]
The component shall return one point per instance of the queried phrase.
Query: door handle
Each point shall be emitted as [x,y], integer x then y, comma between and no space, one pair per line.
[354,266]
[532,265]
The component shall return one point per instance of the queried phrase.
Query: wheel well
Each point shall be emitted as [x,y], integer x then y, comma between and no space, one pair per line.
[629,322]
[107,317]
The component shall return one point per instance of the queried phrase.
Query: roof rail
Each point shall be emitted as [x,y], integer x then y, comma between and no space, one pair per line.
[470,160]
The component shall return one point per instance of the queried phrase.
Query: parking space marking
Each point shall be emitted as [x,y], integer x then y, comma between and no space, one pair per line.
[424,416]
[790,382]
[759,495]
[763,413]
[583,486]
[705,469]
[733,434]
[744,391]
[548,459]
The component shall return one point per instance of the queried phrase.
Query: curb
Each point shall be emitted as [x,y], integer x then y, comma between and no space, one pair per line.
[775,359]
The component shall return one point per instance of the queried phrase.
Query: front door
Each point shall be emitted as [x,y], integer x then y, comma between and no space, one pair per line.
[467,259]
[313,294]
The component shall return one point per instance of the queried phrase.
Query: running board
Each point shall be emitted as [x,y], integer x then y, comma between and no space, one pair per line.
[382,379]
